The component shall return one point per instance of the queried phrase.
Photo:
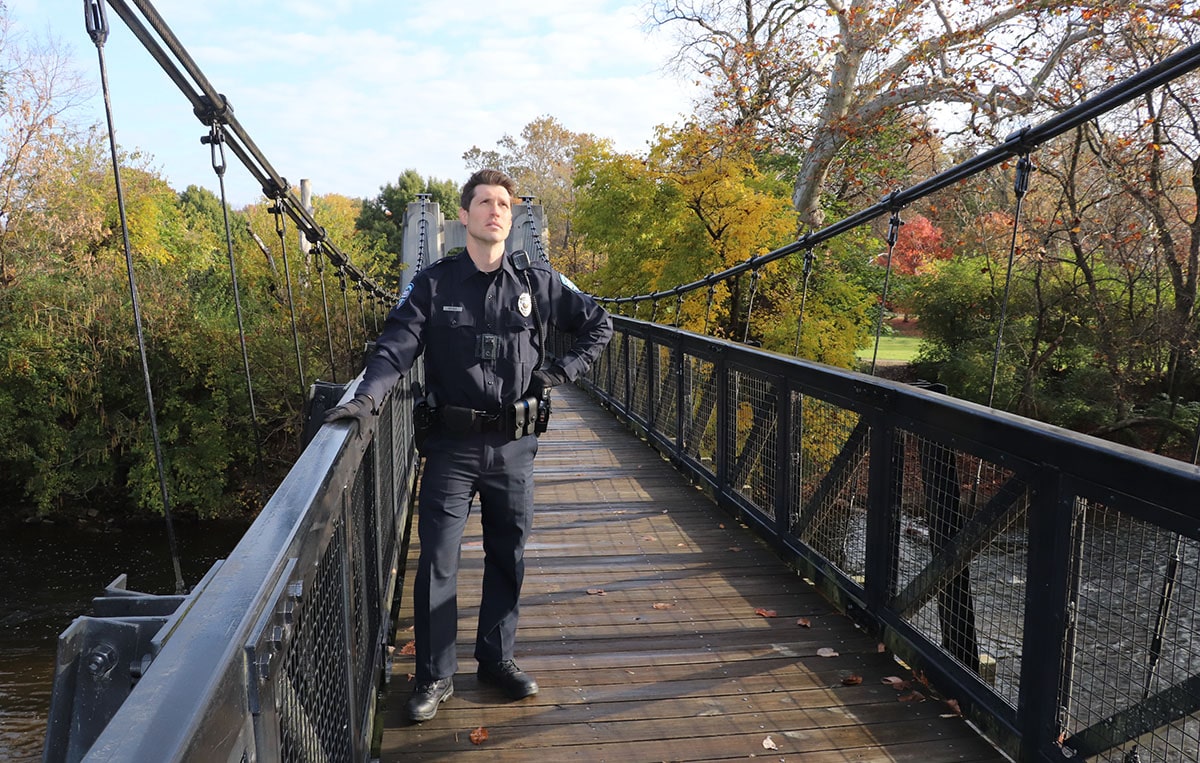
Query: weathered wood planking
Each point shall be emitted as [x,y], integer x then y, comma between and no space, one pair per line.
[639,620]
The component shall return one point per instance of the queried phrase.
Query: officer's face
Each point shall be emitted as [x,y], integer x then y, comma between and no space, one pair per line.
[490,216]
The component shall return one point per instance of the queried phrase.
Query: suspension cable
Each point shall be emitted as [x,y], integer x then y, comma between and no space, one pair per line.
[278,210]
[750,304]
[97,28]
[216,144]
[346,312]
[808,266]
[1020,186]
[422,231]
[320,260]
[534,233]
[362,310]
[893,235]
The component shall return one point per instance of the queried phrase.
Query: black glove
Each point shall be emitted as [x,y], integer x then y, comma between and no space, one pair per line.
[357,408]
[545,378]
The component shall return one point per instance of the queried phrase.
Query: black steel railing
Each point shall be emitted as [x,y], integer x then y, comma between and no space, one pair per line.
[1048,582]
[280,652]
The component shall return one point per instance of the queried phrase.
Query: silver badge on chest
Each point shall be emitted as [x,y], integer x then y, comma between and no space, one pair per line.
[525,304]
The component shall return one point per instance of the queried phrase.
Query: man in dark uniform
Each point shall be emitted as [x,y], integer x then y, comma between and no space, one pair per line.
[479,317]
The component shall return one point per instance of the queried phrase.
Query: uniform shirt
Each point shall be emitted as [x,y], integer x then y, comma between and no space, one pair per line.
[447,308]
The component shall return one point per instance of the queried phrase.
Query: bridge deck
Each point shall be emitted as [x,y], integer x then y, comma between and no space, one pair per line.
[645,619]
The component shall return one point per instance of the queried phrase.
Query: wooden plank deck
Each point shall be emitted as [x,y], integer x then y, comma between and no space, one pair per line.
[640,622]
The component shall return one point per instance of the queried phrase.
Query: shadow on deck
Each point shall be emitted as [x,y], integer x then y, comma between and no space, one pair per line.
[660,629]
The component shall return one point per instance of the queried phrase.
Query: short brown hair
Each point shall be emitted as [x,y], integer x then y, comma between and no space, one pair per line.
[486,177]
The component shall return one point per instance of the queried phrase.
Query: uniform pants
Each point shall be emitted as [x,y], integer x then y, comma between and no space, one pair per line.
[500,470]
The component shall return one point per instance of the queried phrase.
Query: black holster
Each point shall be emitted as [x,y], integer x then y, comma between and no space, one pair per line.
[425,418]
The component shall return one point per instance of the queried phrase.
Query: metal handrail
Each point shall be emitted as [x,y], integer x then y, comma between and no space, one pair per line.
[1006,561]
[279,653]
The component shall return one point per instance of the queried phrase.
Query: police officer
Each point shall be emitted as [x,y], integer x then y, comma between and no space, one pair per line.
[479,318]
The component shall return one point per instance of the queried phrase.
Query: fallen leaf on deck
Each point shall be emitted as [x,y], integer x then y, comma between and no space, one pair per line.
[912,696]
[479,735]
[649,537]
[595,592]
[735,549]
[954,708]
[662,605]
[769,744]
[896,682]
[826,652]
[881,648]
[765,612]
[409,648]
[852,680]
[804,622]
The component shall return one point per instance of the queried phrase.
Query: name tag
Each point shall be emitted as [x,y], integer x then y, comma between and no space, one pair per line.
[452,308]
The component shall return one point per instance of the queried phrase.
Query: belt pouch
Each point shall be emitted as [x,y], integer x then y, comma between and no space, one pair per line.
[457,420]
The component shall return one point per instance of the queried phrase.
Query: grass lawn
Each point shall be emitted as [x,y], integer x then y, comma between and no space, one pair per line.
[892,348]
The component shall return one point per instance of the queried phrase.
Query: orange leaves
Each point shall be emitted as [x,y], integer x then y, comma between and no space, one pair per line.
[804,622]
[765,612]
[852,680]
[896,682]
[479,735]
[662,605]
[409,649]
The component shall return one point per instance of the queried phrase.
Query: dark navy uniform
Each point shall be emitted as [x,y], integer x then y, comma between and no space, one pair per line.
[480,338]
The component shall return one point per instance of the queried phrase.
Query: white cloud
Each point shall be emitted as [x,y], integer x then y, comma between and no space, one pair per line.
[351,93]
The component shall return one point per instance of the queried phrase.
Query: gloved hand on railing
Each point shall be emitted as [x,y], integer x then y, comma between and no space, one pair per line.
[545,378]
[357,408]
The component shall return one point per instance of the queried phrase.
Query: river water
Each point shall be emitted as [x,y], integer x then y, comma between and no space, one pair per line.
[48,576]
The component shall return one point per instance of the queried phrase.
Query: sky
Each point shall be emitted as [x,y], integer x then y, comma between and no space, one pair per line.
[351,93]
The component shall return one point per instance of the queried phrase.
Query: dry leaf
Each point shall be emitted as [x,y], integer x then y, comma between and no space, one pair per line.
[896,682]
[735,549]
[649,537]
[479,735]
[765,612]
[595,592]
[912,696]
[953,705]
[852,680]
[662,605]
[409,648]
[881,648]
[769,744]
[826,652]
[804,622]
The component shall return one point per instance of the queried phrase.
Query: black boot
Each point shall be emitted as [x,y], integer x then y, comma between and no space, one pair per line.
[508,677]
[426,698]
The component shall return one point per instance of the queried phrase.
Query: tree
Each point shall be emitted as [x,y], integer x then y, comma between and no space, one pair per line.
[811,78]
[381,220]
[694,206]
[38,89]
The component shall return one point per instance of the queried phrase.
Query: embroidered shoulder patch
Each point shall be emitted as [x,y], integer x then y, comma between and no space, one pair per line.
[567,282]
[404,294]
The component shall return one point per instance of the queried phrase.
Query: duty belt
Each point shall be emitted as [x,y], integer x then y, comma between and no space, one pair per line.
[457,419]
